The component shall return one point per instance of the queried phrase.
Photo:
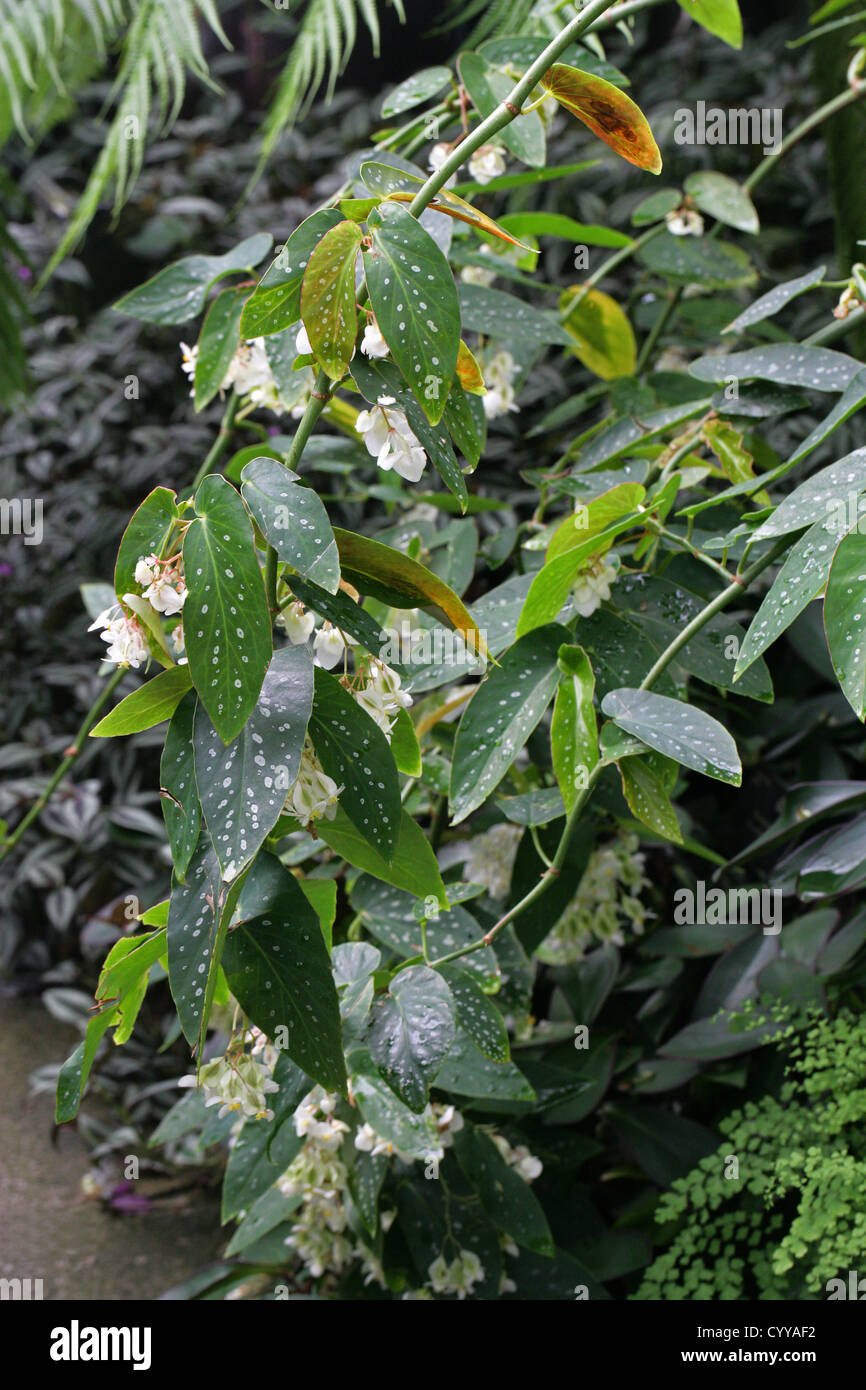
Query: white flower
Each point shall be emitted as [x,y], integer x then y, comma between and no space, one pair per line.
[166,597]
[382,697]
[520,1159]
[477,275]
[328,647]
[190,357]
[179,644]
[236,1081]
[437,157]
[298,622]
[592,586]
[369,1142]
[459,1277]
[388,437]
[372,343]
[313,795]
[302,342]
[487,163]
[249,372]
[125,636]
[146,570]
[685,222]
[499,372]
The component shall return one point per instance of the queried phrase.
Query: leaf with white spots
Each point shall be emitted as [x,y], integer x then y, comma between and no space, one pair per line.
[227,627]
[822,495]
[394,918]
[487,87]
[264,1149]
[242,787]
[775,299]
[714,265]
[647,796]
[413,1135]
[845,618]
[293,519]
[178,293]
[507,319]
[477,1015]
[414,298]
[354,751]
[679,731]
[467,1072]
[421,87]
[800,580]
[278,969]
[788,364]
[501,715]
[573,729]
[275,304]
[328,306]
[178,791]
[411,1033]
[145,534]
[723,198]
[340,610]
[218,342]
[198,913]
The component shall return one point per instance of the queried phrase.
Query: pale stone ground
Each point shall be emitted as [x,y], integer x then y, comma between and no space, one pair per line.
[47,1230]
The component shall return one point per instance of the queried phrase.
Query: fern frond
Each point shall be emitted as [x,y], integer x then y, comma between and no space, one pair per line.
[324,42]
[162,47]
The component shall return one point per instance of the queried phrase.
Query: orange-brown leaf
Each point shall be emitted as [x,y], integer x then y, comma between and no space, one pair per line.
[609,113]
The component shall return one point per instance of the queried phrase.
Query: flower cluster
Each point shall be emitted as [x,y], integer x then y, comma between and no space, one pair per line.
[592,585]
[162,582]
[381,696]
[236,1081]
[460,1276]
[608,900]
[319,1177]
[499,372]
[125,636]
[249,372]
[313,795]
[486,163]
[520,1159]
[389,438]
[685,222]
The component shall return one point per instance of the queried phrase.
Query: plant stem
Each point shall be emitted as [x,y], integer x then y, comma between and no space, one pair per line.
[220,444]
[508,109]
[838,103]
[72,756]
[657,330]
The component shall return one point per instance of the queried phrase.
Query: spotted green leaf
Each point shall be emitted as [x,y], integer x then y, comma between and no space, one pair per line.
[505,1196]
[217,344]
[775,299]
[687,735]
[824,495]
[275,304]
[800,580]
[293,519]
[278,969]
[328,306]
[242,786]
[418,88]
[645,791]
[355,753]
[845,617]
[788,364]
[227,627]
[414,298]
[477,1015]
[178,293]
[179,795]
[723,198]
[501,715]
[411,1032]
[573,729]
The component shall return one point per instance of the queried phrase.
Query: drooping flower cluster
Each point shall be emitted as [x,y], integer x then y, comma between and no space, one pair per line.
[125,636]
[389,438]
[490,858]
[249,372]
[499,372]
[592,585]
[685,222]
[381,696]
[162,582]
[459,1276]
[237,1081]
[606,905]
[313,795]
[320,1177]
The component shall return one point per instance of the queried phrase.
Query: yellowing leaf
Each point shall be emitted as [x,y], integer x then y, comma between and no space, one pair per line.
[328,305]
[609,113]
[603,337]
[469,372]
